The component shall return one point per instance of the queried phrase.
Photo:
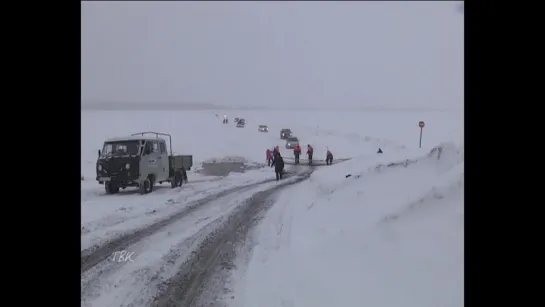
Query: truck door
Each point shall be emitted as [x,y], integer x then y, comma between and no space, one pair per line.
[152,158]
[163,160]
[157,163]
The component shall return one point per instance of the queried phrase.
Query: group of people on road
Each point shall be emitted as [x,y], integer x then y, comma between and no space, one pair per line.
[297,153]
[274,159]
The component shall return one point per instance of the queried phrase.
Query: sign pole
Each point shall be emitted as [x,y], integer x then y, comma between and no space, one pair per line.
[421,124]
[420,144]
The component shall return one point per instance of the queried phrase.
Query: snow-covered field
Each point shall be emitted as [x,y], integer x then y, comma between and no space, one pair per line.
[200,133]
[389,235]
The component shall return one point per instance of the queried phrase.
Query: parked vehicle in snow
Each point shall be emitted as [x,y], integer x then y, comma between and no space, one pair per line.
[263,128]
[140,161]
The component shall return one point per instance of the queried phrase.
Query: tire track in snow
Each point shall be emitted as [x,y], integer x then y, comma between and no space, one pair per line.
[93,256]
[135,283]
[96,232]
[195,279]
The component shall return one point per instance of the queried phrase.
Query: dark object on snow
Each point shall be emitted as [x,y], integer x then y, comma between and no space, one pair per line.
[184,174]
[349,175]
[278,164]
[379,150]
[310,151]
[329,158]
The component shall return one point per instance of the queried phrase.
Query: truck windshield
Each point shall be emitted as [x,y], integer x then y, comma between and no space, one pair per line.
[121,148]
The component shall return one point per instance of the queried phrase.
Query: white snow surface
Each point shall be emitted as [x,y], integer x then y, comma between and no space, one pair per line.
[387,236]
[157,258]
[104,217]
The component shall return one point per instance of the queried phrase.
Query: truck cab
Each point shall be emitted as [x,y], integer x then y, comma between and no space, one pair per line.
[137,161]
[131,161]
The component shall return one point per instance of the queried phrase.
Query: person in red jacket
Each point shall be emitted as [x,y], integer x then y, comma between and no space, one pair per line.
[328,157]
[297,153]
[310,151]
[269,155]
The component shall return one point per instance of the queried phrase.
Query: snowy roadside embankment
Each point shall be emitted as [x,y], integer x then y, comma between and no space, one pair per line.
[389,235]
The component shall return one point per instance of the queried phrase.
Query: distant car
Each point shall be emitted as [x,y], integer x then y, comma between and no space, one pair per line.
[263,128]
[291,142]
[285,133]
[240,124]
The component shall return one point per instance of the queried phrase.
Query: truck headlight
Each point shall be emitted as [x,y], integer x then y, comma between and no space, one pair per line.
[127,166]
[99,167]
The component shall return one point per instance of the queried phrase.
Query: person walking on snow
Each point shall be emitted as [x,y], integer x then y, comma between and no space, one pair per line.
[297,153]
[278,164]
[310,151]
[269,156]
[328,157]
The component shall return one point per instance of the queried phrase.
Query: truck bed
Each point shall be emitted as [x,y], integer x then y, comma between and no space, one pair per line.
[177,161]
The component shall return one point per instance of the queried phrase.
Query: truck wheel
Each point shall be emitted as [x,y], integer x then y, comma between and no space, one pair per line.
[146,186]
[110,188]
[176,180]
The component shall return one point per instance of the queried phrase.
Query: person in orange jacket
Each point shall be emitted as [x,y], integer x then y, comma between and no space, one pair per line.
[310,151]
[328,157]
[269,155]
[297,153]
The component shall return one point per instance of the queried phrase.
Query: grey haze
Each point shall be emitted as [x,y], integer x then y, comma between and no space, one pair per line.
[273,54]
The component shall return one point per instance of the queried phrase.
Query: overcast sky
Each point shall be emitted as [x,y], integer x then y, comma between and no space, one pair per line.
[283,53]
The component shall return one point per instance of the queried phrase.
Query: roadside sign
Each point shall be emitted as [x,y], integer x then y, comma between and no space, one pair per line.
[421,125]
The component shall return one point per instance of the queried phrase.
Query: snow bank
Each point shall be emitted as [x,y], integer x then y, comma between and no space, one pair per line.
[389,235]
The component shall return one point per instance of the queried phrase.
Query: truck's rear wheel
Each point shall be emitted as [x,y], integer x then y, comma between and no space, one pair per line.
[110,187]
[146,186]
[177,180]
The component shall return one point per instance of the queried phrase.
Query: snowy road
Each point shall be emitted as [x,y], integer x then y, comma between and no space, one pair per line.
[394,224]
[170,259]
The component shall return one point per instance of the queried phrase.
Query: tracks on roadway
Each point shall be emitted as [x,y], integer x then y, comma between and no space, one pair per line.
[217,249]
[95,255]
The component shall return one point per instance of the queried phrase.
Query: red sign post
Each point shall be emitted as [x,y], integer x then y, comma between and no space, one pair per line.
[421,125]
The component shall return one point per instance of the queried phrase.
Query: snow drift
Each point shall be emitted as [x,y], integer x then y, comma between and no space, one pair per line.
[389,235]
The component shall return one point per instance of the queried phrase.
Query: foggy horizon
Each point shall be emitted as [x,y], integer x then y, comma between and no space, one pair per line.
[293,55]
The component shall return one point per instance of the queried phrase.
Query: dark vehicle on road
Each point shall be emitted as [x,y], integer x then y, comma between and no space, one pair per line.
[291,142]
[140,161]
[285,133]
